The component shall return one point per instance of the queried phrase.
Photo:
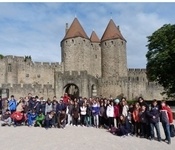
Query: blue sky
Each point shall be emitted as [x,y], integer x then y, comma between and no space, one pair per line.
[36,29]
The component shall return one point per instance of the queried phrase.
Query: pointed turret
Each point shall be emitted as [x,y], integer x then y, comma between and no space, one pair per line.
[75,30]
[94,38]
[112,32]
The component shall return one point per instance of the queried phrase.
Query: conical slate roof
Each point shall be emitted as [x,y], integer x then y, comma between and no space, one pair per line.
[75,30]
[94,38]
[112,32]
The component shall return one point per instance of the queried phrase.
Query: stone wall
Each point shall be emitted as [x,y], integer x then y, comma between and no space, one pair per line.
[114,58]
[81,79]
[21,90]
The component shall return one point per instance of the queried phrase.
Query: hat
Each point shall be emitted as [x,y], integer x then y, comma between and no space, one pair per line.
[117,100]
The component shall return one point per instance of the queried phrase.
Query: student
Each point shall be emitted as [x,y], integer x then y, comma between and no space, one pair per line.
[31,117]
[166,117]
[153,115]
[70,107]
[62,119]
[88,115]
[83,109]
[75,114]
[48,120]
[6,118]
[40,119]
[110,114]
[116,112]
[48,107]
[136,121]
[102,115]
[95,113]
[12,104]
[125,107]
[143,122]
[123,129]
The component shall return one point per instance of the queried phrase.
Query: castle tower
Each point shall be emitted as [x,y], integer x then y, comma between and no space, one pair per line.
[75,48]
[95,55]
[113,46]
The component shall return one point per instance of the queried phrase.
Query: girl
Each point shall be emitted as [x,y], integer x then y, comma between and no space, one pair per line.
[123,129]
[83,109]
[75,114]
[110,114]
[135,116]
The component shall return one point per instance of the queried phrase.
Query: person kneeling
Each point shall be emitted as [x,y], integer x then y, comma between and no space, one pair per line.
[49,120]
[40,120]
[62,119]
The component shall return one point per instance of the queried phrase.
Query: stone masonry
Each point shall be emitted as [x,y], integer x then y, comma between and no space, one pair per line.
[89,67]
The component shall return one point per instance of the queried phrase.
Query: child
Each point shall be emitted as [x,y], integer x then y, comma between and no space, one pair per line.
[95,113]
[31,117]
[75,114]
[143,122]
[48,120]
[82,114]
[40,119]
[166,117]
[6,119]
[135,115]
[62,119]
[123,129]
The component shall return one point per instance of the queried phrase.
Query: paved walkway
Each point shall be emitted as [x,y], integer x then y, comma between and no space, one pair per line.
[73,138]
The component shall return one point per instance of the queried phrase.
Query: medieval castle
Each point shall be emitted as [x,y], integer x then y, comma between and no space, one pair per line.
[89,67]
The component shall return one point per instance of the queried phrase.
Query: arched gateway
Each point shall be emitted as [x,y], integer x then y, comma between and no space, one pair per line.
[72,90]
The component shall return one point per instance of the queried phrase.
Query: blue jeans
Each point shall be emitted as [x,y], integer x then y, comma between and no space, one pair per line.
[88,120]
[166,128]
[156,125]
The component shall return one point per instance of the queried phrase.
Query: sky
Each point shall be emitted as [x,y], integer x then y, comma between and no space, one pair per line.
[37,29]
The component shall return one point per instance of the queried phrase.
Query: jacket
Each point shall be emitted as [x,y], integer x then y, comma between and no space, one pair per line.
[153,114]
[110,111]
[95,109]
[169,113]
[12,104]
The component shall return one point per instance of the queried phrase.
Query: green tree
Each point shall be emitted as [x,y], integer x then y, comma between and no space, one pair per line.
[1,56]
[161,58]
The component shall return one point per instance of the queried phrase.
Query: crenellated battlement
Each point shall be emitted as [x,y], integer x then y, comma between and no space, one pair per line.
[72,73]
[26,86]
[137,70]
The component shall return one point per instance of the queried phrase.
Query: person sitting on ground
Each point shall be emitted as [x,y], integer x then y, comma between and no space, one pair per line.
[123,129]
[40,119]
[6,119]
[62,119]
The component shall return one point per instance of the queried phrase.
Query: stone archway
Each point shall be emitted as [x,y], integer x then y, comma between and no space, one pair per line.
[93,91]
[72,90]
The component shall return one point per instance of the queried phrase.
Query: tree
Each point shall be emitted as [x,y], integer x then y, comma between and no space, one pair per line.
[1,56]
[161,58]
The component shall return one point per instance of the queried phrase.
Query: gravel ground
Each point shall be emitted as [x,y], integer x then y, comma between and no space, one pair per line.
[73,138]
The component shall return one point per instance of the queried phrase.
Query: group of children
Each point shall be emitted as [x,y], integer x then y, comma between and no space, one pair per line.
[116,115]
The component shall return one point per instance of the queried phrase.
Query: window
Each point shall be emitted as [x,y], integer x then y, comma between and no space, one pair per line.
[38,76]
[72,41]
[112,42]
[27,75]
[96,56]
[137,78]
[9,68]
